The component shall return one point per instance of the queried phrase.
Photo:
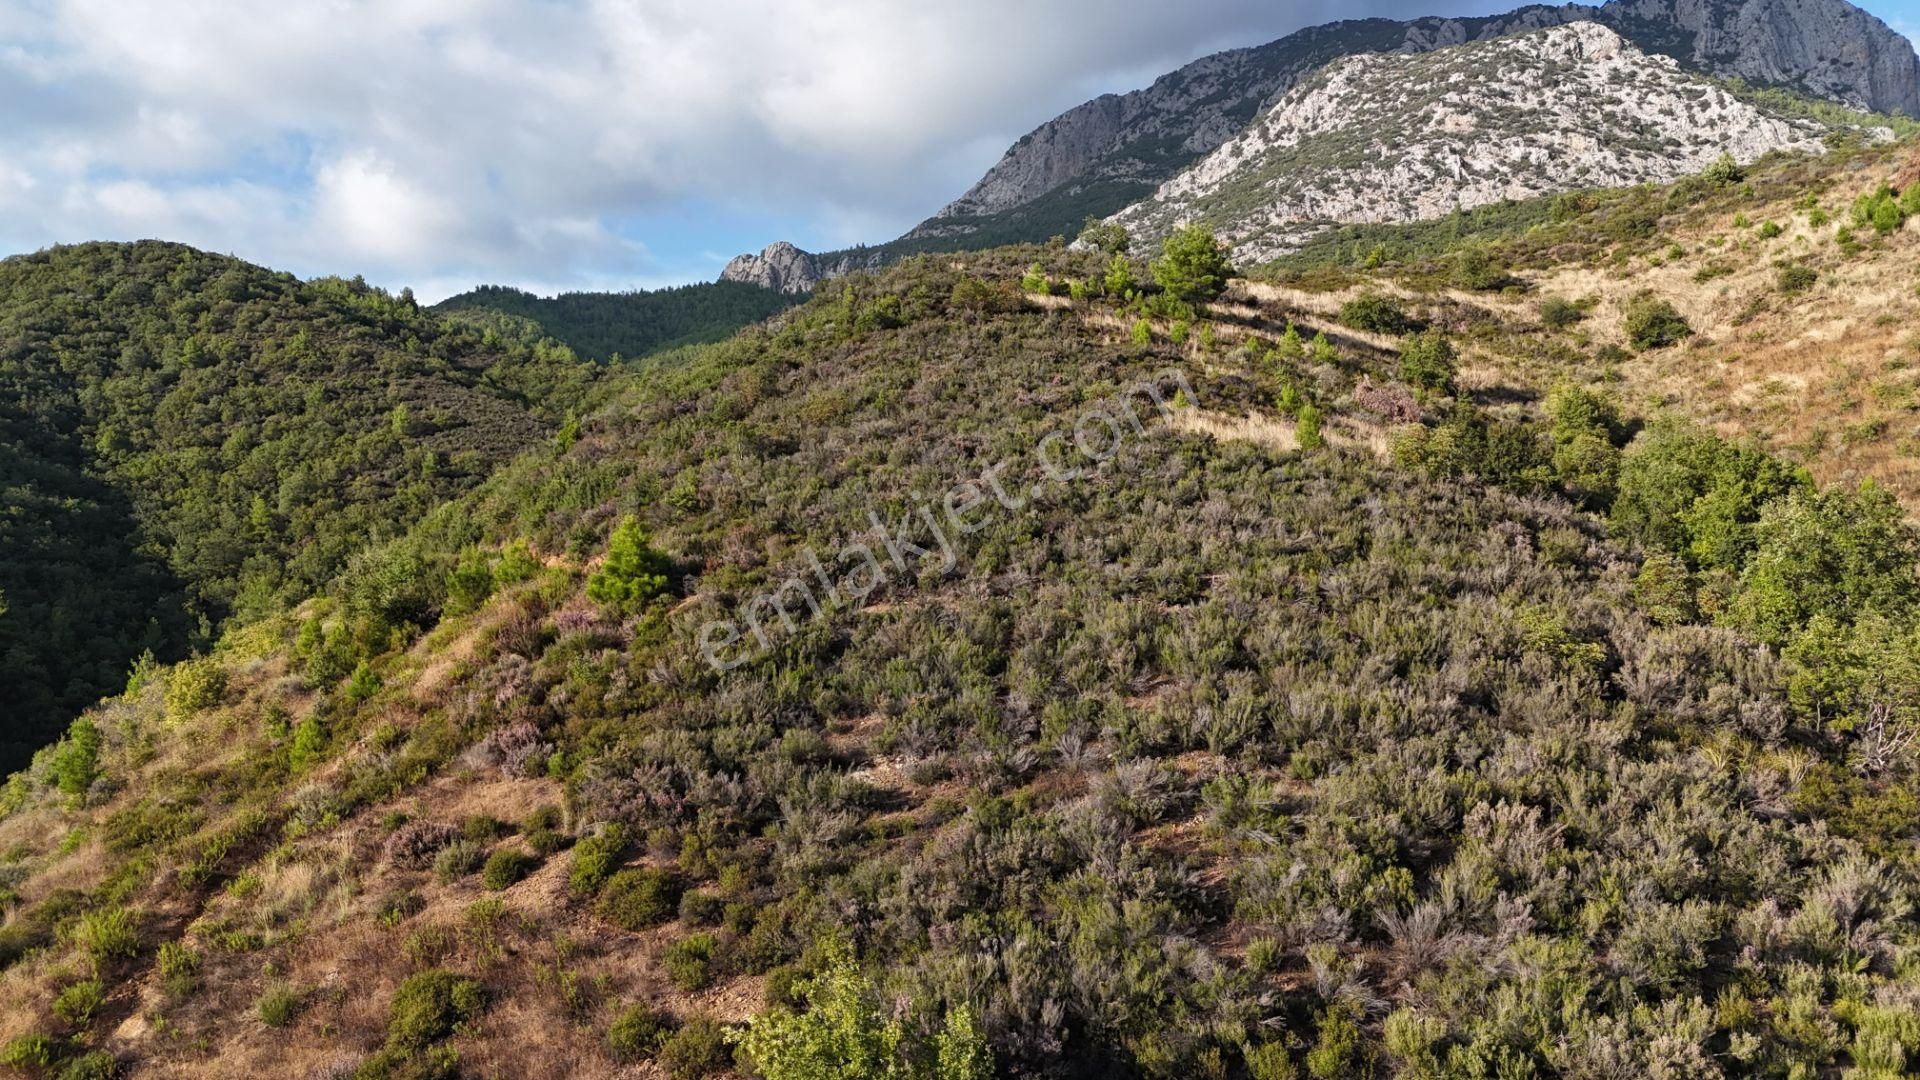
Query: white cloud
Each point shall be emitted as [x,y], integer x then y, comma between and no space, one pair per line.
[451,140]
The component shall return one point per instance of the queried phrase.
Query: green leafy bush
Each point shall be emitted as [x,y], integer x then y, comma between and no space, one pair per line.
[1306,428]
[1879,210]
[108,934]
[78,1002]
[595,858]
[429,1006]
[1796,278]
[279,1005]
[1724,172]
[195,685]
[1105,237]
[1653,323]
[843,1032]
[638,898]
[698,1049]
[506,867]
[458,859]
[1375,313]
[637,1033]
[689,961]
[1427,362]
[1559,313]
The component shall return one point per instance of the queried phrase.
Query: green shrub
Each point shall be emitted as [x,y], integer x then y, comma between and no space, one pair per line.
[1142,332]
[637,1033]
[194,685]
[1375,313]
[1880,211]
[1427,362]
[309,743]
[1476,271]
[92,1065]
[1105,237]
[843,1032]
[77,1003]
[1307,428]
[506,867]
[429,1006]
[1795,278]
[689,962]
[1119,279]
[595,858]
[179,965]
[1035,281]
[633,573]
[699,1049]
[1559,313]
[107,934]
[1269,1061]
[458,859]
[1336,1055]
[700,908]
[1193,265]
[1770,230]
[1652,323]
[1724,172]
[30,1052]
[545,842]
[279,1005]
[76,763]
[396,1063]
[638,898]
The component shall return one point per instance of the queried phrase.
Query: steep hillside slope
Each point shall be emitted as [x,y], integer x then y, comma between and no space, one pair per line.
[601,326]
[186,436]
[1403,138]
[1121,711]
[1802,316]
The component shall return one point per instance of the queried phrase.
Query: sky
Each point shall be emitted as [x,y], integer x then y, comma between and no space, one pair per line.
[560,144]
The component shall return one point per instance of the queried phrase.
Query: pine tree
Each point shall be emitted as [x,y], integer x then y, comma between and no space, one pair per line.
[633,573]
[1193,267]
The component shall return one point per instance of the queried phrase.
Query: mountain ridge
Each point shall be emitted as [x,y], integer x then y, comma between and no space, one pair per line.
[1498,120]
[1106,154]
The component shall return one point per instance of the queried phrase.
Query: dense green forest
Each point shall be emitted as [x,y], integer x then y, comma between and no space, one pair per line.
[187,438]
[601,326]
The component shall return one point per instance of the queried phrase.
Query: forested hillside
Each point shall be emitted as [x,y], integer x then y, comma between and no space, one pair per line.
[187,437]
[1161,677]
[601,326]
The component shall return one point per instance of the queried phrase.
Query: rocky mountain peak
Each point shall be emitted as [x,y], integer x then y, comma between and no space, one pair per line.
[781,267]
[1404,137]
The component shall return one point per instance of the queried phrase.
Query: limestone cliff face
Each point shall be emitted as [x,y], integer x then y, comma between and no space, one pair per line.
[1116,150]
[1397,138]
[1826,47]
[785,268]
[781,267]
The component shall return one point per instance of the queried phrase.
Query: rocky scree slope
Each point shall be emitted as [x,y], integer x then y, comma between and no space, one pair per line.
[1383,138]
